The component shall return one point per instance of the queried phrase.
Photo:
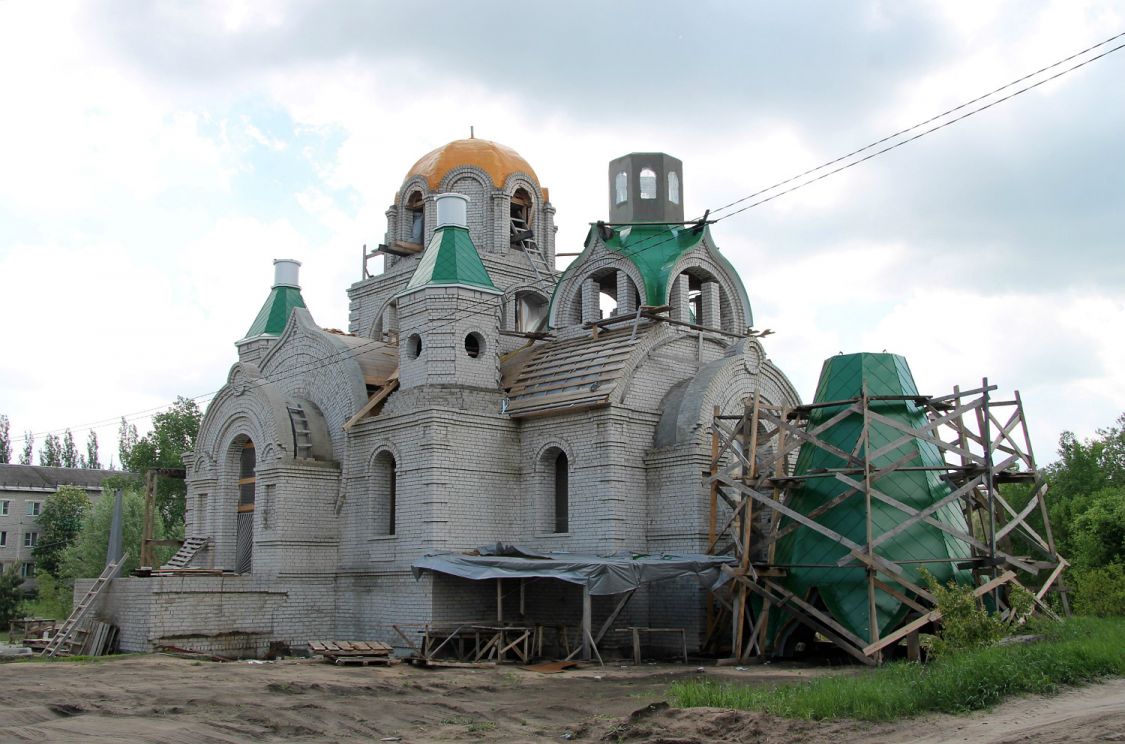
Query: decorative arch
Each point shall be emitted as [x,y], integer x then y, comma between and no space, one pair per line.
[566,306]
[385,325]
[734,306]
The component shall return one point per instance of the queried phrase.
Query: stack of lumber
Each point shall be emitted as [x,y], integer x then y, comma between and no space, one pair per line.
[354,652]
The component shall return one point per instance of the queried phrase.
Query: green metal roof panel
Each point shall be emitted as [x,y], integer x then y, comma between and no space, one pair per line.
[654,249]
[451,258]
[844,591]
[275,312]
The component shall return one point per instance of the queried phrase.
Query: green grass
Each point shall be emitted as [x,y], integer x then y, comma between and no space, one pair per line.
[1077,651]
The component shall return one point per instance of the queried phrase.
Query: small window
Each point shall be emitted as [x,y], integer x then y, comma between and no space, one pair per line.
[3,539]
[34,508]
[673,187]
[648,183]
[562,493]
[4,505]
[474,345]
[27,570]
[414,346]
[246,478]
[30,539]
[621,186]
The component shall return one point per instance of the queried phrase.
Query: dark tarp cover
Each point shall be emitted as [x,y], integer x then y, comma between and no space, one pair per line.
[602,574]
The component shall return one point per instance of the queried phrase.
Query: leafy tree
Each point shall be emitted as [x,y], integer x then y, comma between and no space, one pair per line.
[173,433]
[91,460]
[51,454]
[85,557]
[59,523]
[10,595]
[1098,533]
[28,448]
[69,451]
[126,440]
[5,440]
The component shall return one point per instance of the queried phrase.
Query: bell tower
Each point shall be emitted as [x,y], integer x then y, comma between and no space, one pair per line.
[646,187]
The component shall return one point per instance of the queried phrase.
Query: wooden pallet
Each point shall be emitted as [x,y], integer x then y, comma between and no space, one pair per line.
[354,652]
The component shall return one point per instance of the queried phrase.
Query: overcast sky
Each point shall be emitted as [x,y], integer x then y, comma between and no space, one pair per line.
[156,156]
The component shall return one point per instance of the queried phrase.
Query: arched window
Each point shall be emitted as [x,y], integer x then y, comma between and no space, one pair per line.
[247,480]
[384,491]
[648,183]
[673,187]
[416,210]
[562,492]
[521,218]
[621,187]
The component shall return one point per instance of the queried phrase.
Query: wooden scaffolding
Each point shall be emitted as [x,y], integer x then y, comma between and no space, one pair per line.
[983,443]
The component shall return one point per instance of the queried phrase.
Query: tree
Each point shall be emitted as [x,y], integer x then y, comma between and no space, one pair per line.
[91,460]
[173,433]
[85,557]
[10,595]
[69,452]
[126,440]
[51,454]
[5,440]
[28,448]
[59,523]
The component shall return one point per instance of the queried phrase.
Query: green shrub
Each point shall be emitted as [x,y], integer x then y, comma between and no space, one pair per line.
[965,624]
[1099,591]
[53,599]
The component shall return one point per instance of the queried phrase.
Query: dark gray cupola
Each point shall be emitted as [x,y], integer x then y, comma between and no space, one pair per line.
[646,187]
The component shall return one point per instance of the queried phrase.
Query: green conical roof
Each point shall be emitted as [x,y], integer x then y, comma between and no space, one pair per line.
[451,258]
[844,590]
[275,313]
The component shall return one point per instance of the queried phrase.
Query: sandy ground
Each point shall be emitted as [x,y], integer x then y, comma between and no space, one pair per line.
[167,699]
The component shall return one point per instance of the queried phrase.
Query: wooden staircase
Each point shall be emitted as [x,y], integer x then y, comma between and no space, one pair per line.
[68,628]
[187,551]
[302,437]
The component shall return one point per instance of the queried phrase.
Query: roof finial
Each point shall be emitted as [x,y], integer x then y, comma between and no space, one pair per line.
[471,135]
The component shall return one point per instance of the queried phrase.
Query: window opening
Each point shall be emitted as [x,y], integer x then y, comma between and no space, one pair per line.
[244,542]
[3,539]
[648,183]
[621,187]
[414,346]
[392,486]
[27,570]
[562,493]
[30,539]
[416,211]
[33,508]
[4,507]
[673,187]
[531,312]
[474,345]
[521,215]
[384,488]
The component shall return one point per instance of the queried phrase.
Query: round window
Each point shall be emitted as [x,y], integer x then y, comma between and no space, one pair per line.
[414,346]
[474,345]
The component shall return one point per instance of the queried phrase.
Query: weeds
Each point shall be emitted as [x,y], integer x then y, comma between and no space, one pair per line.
[1074,652]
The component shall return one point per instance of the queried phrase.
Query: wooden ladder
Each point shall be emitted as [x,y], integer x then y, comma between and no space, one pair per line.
[521,238]
[302,437]
[187,551]
[80,610]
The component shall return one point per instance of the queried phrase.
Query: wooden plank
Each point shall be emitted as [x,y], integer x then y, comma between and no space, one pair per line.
[374,400]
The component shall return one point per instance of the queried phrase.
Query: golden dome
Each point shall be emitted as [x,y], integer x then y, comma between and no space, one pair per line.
[497,160]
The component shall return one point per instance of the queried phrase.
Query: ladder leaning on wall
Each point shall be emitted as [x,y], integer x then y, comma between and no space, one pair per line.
[59,640]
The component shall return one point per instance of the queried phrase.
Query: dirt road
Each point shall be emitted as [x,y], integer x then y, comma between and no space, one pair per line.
[166,699]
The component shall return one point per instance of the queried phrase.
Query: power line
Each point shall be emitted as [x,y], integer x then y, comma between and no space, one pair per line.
[652,242]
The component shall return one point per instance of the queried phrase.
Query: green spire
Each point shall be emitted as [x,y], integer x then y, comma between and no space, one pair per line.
[451,258]
[284,297]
